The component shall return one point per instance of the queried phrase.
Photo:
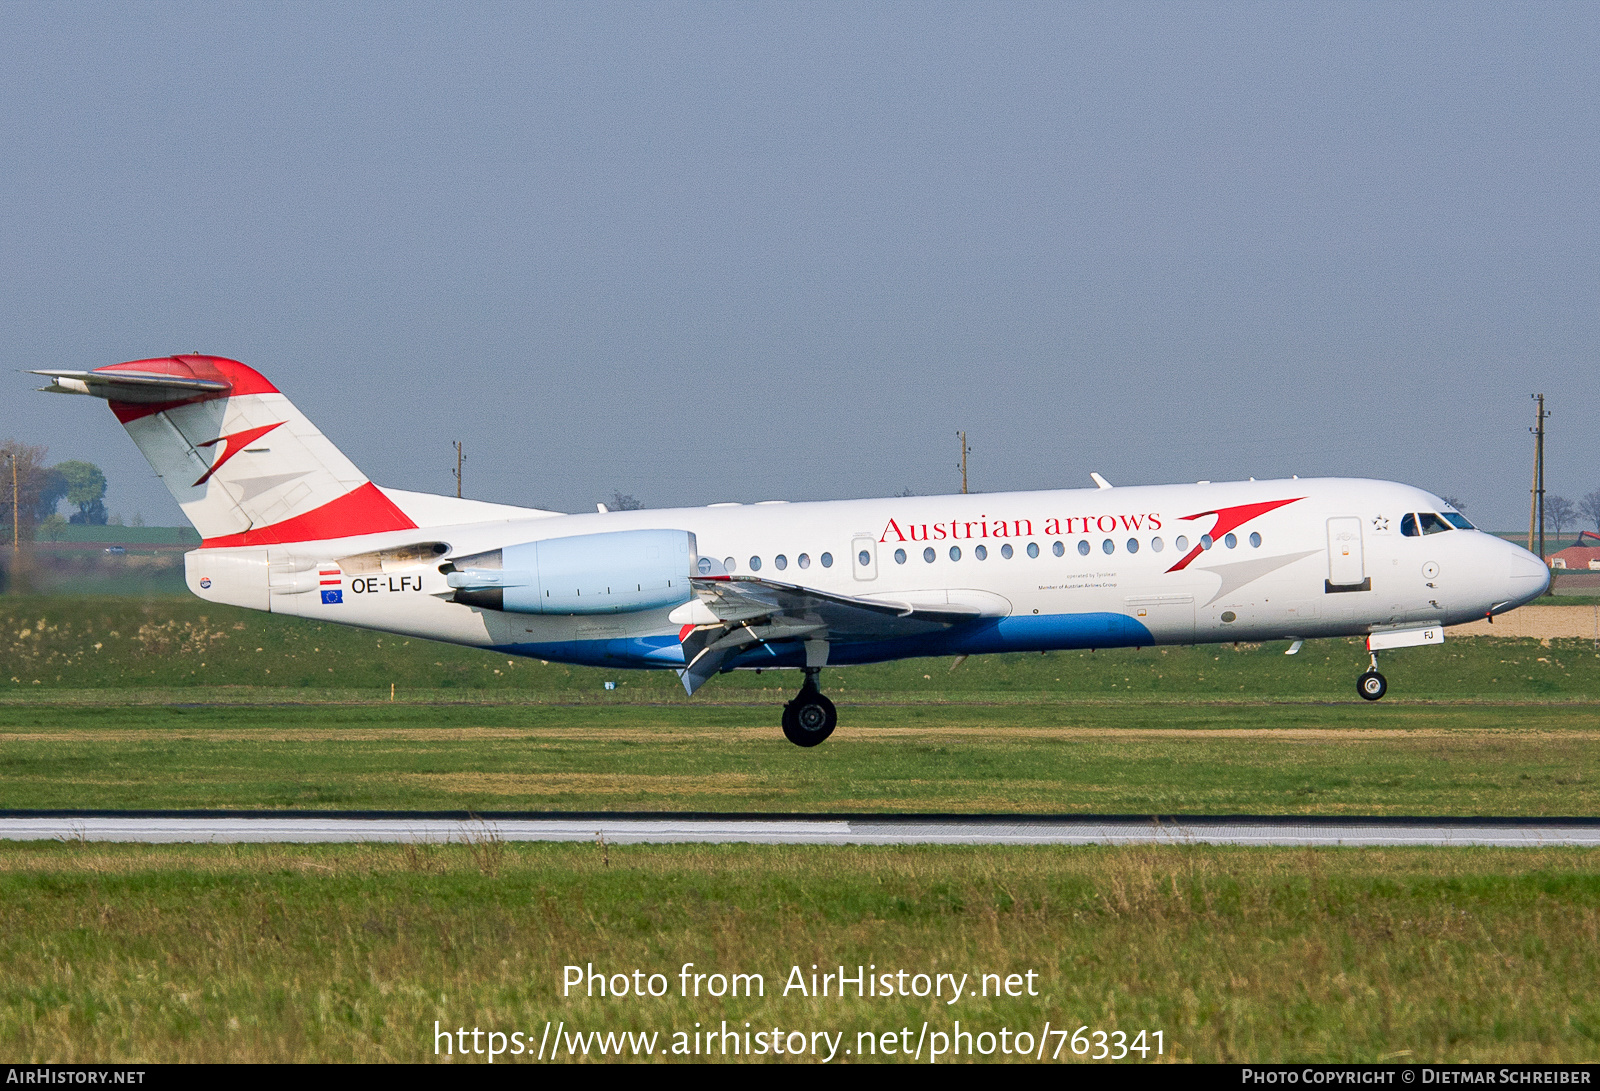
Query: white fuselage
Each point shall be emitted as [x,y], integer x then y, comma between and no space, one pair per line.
[1103,567]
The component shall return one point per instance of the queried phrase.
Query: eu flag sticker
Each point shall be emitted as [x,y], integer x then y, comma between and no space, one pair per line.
[335,595]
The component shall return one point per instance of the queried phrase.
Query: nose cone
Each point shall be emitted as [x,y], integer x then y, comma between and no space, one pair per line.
[1522,575]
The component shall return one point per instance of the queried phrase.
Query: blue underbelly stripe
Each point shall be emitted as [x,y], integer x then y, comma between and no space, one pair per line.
[1035,633]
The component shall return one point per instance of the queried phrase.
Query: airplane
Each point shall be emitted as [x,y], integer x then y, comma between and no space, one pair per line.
[290,525]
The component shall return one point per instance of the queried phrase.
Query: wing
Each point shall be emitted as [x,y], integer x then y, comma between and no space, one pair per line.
[733,613]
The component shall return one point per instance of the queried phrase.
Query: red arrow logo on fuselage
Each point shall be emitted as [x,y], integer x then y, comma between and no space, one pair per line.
[236,442]
[1228,519]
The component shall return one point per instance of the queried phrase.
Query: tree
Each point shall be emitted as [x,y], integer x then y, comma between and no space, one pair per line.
[51,491]
[1559,511]
[623,502]
[86,487]
[38,490]
[1589,508]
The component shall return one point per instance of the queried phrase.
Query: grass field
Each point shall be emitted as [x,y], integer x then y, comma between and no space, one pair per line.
[1213,759]
[217,953]
[112,952]
[50,644]
[173,703]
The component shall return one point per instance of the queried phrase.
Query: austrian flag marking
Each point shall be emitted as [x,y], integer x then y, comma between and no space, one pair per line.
[332,583]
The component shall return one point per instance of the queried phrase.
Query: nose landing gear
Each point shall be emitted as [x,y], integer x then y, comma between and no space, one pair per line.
[1372,685]
[810,717]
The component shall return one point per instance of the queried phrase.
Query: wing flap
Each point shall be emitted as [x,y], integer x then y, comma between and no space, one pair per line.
[734,598]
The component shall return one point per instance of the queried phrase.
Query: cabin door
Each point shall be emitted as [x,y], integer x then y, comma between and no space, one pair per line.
[1347,567]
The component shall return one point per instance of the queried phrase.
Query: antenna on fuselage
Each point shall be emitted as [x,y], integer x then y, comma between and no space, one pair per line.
[460,458]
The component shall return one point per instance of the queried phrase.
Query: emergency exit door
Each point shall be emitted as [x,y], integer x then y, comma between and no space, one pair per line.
[864,557]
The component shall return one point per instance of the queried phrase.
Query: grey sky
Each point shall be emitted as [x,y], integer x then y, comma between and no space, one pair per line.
[739,252]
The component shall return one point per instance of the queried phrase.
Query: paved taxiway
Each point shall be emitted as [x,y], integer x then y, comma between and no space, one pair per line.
[622,829]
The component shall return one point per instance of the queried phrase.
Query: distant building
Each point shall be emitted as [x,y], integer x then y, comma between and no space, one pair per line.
[1583,554]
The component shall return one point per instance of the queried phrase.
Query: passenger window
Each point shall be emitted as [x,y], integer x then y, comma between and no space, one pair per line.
[755,564]
[928,554]
[827,560]
[981,552]
[1108,546]
[1230,541]
[899,556]
[1433,524]
[1005,551]
[704,566]
[955,553]
[804,560]
[1408,525]
[1156,544]
[780,562]
[1255,540]
[1133,545]
[1033,549]
[729,564]
[864,559]
[1058,549]
[1205,541]
[1083,548]
[1181,544]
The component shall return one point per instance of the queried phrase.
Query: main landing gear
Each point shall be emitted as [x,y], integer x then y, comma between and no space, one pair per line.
[810,717]
[1372,685]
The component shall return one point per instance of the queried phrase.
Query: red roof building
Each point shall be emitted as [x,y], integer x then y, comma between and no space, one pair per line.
[1583,555]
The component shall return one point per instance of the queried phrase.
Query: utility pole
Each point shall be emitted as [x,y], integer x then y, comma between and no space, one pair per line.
[15,507]
[1536,500]
[460,458]
[965,450]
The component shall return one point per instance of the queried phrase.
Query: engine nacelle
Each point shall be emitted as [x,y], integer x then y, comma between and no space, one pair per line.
[610,573]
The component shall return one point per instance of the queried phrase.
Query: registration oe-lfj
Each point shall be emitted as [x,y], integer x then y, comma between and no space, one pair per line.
[288,524]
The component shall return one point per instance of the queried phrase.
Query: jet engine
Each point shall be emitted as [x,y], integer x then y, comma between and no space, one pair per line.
[610,573]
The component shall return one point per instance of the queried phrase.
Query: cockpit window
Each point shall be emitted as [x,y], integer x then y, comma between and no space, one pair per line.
[1459,520]
[1426,522]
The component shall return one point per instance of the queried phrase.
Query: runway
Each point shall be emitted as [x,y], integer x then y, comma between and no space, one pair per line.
[783,829]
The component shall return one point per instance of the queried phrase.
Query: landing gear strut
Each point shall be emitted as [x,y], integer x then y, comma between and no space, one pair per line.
[810,717]
[1372,685]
